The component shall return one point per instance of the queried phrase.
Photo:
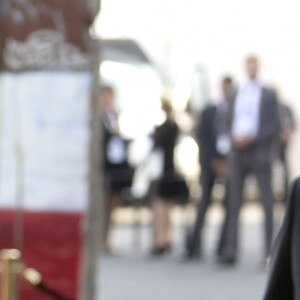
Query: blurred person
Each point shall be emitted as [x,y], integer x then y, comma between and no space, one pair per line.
[214,146]
[284,267]
[287,128]
[116,168]
[253,125]
[169,186]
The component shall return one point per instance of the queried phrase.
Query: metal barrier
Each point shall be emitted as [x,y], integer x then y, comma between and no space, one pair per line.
[11,268]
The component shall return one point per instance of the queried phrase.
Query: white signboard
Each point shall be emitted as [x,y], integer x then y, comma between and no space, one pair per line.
[44,138]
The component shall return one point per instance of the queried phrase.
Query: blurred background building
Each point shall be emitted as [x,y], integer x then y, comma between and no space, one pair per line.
[213,37]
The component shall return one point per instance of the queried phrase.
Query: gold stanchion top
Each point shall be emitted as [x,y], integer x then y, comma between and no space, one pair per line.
[32,276]
[10,255]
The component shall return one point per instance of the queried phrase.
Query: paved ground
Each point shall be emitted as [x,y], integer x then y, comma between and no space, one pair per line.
[132,274]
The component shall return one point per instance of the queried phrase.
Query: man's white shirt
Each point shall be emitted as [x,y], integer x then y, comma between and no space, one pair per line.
[247,110]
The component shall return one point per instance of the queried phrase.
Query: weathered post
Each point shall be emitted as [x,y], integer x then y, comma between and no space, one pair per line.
[94,215]
[49,75]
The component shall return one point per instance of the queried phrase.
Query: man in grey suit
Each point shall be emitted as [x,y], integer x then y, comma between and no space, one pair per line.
[253,124]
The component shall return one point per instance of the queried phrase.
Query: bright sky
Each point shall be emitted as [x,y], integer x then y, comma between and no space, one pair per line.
[217,34]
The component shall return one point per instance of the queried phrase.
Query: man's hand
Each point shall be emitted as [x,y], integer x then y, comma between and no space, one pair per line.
[219,167]
[285,136]
[242,142]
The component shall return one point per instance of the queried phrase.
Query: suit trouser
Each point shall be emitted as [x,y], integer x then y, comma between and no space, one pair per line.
[207,181]
[242,164]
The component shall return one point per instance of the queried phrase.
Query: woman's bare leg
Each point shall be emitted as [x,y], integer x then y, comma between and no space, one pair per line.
[161,223]
[113,201]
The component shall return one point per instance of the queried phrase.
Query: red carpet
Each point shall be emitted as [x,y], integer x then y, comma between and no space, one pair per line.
[51,245]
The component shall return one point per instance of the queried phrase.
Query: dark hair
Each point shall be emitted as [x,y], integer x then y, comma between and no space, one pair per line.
[107,88]
[227,80]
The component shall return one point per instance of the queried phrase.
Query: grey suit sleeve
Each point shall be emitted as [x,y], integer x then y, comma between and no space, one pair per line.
[270,119]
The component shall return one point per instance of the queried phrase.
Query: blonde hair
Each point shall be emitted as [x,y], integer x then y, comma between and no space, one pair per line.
[166,104]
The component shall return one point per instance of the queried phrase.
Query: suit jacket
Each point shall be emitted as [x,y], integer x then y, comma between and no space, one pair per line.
[269,126]
[207,136]
[284,277]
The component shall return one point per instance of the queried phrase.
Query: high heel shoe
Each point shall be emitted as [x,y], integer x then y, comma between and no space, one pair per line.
[161,250]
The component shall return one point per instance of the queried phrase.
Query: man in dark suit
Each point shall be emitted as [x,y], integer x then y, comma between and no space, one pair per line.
[213,144]
[284,269]
[253,123]
[286,131]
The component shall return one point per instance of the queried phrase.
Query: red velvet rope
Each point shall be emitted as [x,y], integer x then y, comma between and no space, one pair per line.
[51,292]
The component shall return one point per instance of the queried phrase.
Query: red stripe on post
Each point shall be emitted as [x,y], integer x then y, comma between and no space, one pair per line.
[51,245]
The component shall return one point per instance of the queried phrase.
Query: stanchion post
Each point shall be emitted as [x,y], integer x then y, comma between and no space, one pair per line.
[10,260]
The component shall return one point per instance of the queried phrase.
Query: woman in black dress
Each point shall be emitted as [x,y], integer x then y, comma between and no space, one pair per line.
[167,187]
